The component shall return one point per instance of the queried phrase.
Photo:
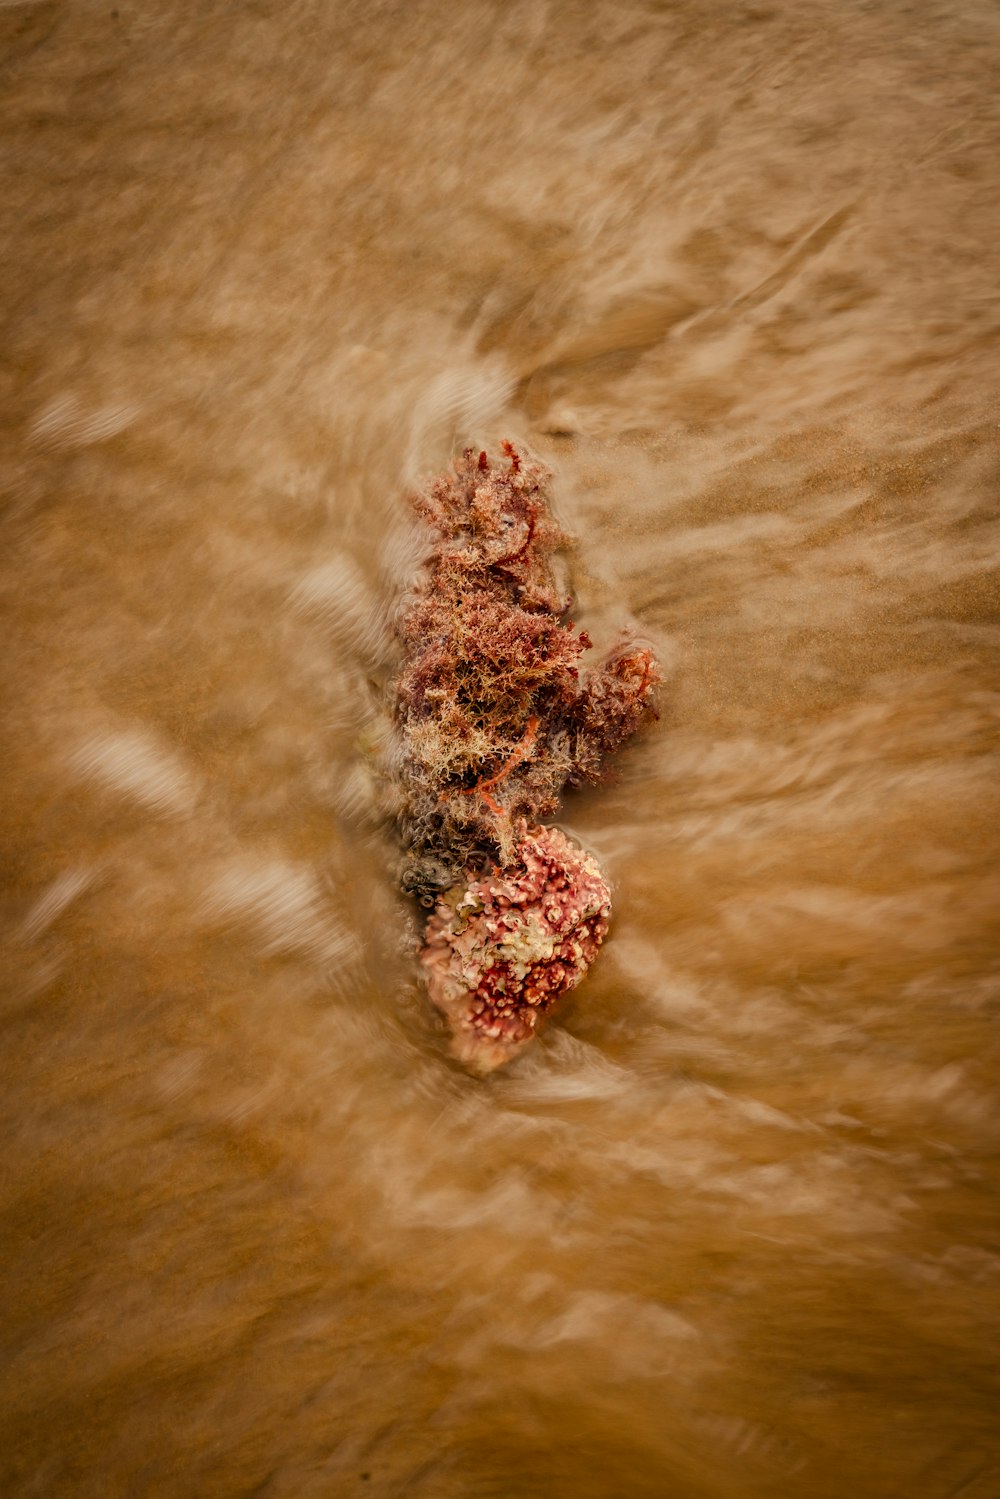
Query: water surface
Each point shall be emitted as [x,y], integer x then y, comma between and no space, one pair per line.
[729,1231]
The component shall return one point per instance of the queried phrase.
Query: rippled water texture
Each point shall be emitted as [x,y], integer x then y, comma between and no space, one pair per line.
[730,1228]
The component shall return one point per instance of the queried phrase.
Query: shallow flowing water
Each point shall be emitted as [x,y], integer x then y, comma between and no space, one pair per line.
[730,1228]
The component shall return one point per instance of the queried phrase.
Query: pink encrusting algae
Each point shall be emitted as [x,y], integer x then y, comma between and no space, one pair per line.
[502,949]
[496,717]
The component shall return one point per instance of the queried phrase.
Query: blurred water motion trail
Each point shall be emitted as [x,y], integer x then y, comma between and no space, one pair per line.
[731,1229]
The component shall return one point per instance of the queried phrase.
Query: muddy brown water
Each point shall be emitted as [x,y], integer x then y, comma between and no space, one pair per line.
[730,1229]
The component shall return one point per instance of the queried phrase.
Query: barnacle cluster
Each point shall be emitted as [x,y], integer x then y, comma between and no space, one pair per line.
[496,716]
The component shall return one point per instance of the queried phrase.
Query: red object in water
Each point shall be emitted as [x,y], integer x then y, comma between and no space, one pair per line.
[501,949]
[495,717]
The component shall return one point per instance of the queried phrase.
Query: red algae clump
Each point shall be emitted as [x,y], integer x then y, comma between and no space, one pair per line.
[501,950]
[496,716]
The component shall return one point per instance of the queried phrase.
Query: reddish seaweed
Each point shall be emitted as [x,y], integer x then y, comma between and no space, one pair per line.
[496,715]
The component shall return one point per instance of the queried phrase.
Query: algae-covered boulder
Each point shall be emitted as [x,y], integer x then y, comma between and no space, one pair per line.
[502,948]
[495,715]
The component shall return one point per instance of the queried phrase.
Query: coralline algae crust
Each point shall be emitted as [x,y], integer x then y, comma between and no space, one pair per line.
[501,949]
